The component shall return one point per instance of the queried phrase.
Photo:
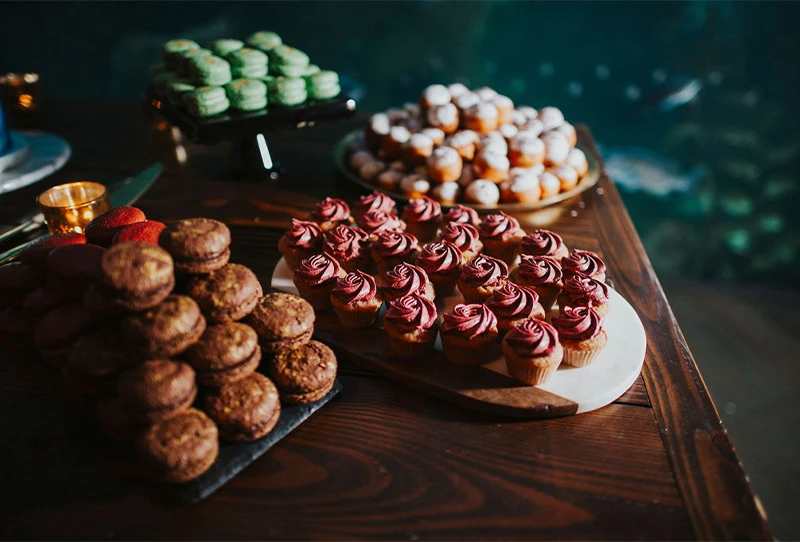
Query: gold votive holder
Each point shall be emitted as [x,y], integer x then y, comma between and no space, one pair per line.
[68,208]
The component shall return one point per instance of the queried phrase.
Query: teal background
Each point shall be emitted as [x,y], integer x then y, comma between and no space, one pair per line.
[738,140]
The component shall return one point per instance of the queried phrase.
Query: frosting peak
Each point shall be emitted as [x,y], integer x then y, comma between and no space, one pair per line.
[542,243]
[577,323]
[318,270]
[356,286]
[344,241]
[377,220]
[584,262]
[499,226]
[533,338]
[440,257]
[395,243]
[304,234]
[485,271]
[412,312]
[512,302]
[460,213]
[404,279]
[462,235]
[375,200]
[469,320]
[584,291]
[539,270]
[331,210]
[421,209]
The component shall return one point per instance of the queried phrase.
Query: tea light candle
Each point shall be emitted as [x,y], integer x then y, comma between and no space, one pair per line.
[68,208]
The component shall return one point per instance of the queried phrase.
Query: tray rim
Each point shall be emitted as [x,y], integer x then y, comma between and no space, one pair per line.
[589,180]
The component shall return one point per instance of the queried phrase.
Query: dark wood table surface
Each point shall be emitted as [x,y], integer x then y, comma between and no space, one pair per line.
[382,461]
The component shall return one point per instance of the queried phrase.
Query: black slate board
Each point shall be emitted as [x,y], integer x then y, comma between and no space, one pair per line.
[233,457]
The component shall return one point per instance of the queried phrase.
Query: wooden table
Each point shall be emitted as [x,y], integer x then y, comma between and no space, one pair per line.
[382,461]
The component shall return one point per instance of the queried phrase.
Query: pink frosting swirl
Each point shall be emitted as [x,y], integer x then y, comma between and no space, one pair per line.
[469,320]
[511,301]
[345,242]
[541,243]
[331,210]
[499,226]
[318,270]
[304,234]
[485,271]
[533,338]
[375,221]
[577,323]
[421,209]
[583,291]
[412,312]
[440,257]
[356,286]
[375,200]
[462,235]
[395,243]
[583,262]
[539,270]
[462,214]
[404,279]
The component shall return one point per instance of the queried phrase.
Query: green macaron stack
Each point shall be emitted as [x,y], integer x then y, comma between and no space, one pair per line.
[184,67]
[287,91]
[247,94]
[224,47]
[288,61]
[209,70]
[206,101]
[323,85]
[173,49]
[248,63]
[264,40]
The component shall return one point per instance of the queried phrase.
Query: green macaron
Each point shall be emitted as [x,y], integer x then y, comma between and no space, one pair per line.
[173,49]
[184,67]
[209,70]
[264,40]
[287,91]
[176,89]
[206,101]
[323,85]
[247,94]
[288,61]
[248,63]
[224,47]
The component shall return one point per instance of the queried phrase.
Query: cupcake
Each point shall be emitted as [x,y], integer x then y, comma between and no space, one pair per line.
[375,200]
[302,241]
[544,243]
[442,262]
[532,351]
[331,212]
[411,323]
[480,277]
[463,236]
[501,236]
[462,214]
[541,274]
[315,277]
[393,247]
[422,217]
[376,221]
[580,330]
[468,334]
[355,300]
[348,246]
[581,291]
[405,279]
[513,304]
[584,262]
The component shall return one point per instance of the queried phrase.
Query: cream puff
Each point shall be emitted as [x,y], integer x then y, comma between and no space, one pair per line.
[444,117]
[369,171]
[456,90]
[552,117]
[434,95]
[467,175]
[466,100]
[482,118]
[521,187]
[389,180]
[446,193]
[526,150]
[482,192]
[444,165]
[434,133]
[486,94]
[550,185]
[394,143]
[508,131]
[569,130]
[556,148]
[491,166]
[419,148]
[567,176]
[376,131]
[398,165]
[493,142]
[359,158]
[463,142]
[414,185]
[577,159]
[505,108]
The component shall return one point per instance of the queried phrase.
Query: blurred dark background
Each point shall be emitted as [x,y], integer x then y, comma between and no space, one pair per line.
[693,103]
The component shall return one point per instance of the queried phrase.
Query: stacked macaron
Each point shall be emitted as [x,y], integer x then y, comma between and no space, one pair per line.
[173,369]
[242,75]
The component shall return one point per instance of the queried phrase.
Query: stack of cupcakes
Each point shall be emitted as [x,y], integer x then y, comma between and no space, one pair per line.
[472,146]
[360,259]
[243,75]
[163,335]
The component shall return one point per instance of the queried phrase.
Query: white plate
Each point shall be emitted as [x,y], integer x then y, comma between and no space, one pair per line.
[591,387]
[46,154]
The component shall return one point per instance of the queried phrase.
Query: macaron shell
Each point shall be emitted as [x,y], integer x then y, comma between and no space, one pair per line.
[143,232]
[158,389]
[226,294]
[167,329]
[132,268]
[36,253]
[244,410]
[81,262]
[101,230]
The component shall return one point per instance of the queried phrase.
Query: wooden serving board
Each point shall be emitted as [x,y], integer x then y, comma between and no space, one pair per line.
[488,388]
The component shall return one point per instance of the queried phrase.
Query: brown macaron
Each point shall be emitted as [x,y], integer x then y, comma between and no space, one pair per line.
[244,410]
[227,294]
[198,245]
[165,330]
[72,268]
[305,374]
[282,321]
[157,390]
[135,276]
[96,360]
[225,353]
[16,280]
[179,449]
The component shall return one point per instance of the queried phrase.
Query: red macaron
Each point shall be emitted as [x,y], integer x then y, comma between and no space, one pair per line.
[58,330]
[72,268]
[36,254]
[144,232]
[103,228]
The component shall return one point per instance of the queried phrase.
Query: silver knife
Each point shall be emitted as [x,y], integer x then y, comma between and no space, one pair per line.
[124,192]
